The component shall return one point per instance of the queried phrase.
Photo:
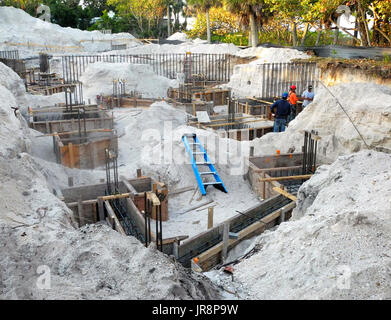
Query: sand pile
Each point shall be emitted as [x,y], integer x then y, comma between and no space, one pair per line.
[19,28]
[246,80]
[98,79]
[190,46]
[38,234]
[371,114]
[178,36]
[338,244]
[270,55]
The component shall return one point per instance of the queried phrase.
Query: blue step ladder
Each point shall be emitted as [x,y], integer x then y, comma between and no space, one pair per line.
[191,144]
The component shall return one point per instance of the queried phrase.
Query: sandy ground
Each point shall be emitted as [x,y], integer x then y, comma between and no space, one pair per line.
[335,247]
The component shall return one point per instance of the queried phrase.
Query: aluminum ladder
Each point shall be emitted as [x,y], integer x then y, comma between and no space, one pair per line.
[198,150]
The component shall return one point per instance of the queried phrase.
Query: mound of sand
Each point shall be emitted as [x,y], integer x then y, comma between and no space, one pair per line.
[246,80]
[19,28]
[338,244]
[98,79]
[38,234]
[370,113]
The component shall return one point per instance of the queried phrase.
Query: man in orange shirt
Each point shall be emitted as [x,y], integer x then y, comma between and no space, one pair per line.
[293,101]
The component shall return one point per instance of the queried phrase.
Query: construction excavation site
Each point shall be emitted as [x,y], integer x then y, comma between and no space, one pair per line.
[134,170]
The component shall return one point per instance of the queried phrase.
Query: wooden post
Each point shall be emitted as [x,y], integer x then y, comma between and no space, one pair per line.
[139,173]
[80,211]
[251,151]
[264,187]
[175,247]
[194,110]
[225,242]
[101,209]
[70,181]
[71,159]
[210,217]
[282,216]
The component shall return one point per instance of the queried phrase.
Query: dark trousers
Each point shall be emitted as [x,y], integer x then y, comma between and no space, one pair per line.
[293,113]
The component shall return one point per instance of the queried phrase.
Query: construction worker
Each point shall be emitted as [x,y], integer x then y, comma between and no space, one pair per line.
[281,109]
[307,96]
[293,102]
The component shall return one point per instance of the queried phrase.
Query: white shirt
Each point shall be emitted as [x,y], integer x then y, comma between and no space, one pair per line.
[307,94]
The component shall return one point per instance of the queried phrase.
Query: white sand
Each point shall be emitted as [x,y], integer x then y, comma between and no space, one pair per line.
[98,78]
[93,262]
[246,80]
[178,36]
[18,27]
[341,224]
[370,112]
[338,244]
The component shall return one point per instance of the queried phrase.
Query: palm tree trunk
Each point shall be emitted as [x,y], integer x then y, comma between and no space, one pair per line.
[208,34]
[355,34]
[294,34]
[318,36]
[305,34]
[168,21]
[253,30]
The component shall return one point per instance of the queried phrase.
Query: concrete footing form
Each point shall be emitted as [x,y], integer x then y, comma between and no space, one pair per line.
[58,119]
[86,150]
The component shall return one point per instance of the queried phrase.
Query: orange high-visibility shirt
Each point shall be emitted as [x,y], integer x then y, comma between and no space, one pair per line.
[293,98]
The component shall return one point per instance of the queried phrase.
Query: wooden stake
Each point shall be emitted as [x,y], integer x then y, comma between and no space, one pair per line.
[71,158]
[225,242]
[80,211]
[101,209]
[210,217]
[304,176]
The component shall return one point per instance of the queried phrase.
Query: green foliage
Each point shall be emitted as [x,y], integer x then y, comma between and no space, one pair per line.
[115,23]
[203,5]
[27,5]
[222,22]
[239,39]
[386,58]
[66,13]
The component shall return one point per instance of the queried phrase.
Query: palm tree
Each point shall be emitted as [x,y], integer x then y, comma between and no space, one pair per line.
[204,6]
[251,13]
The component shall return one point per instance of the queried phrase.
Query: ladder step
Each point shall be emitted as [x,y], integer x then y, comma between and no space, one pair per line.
[201,163]
[194,143]
[210,183]
[198,152]
[207,173]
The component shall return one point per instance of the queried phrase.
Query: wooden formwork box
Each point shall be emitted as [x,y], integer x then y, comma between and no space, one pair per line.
[105,121]
[248,134]
[88,155]
[258,109]
[218,96]
[86,199]
[210,257]
[285,165]
[177,94]
[237,134]
[130,102]
[193,107]
[48,90]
